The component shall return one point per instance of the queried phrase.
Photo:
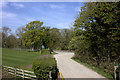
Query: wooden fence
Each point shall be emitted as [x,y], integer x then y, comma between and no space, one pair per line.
[20,72]
[115,74]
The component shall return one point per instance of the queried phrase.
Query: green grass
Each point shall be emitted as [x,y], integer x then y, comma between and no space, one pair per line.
[46,52]
[98,70]
[20,58]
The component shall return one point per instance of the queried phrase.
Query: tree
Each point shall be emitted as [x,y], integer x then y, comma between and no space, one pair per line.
[33,36]
[11,41]
[5,33]
[19,33]
[101,31]
[66,36]
[53,39]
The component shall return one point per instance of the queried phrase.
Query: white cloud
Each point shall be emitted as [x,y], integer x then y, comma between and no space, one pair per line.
[56,6]
[17,5]
[8,15]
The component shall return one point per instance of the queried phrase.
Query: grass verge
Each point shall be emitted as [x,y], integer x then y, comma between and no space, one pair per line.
[96,69]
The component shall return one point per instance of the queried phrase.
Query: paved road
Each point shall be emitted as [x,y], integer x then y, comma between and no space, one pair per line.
[71,69]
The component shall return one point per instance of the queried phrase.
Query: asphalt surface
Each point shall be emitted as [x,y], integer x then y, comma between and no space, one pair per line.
[72,69]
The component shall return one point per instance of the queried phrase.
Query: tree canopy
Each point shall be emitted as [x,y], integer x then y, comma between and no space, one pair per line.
[98,30]
[33,35]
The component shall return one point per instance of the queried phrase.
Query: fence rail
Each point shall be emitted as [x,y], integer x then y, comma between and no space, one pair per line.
[20,72]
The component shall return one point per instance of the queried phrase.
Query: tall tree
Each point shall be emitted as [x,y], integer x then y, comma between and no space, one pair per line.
[33,35]
[66,36]
[11,41]
[101,31]
[53,38]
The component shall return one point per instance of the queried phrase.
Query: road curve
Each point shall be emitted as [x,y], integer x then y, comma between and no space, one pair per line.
[71,69]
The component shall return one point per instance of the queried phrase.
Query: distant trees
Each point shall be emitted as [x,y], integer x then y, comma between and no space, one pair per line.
[8,39]
[19,33]
[35,35]
[53,38]
[12,41]
[97,34]
[5,32]
[66,36]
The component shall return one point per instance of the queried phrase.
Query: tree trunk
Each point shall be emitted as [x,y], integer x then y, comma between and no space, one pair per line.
[21,44]
[32,49]
[50,50]
[40,49]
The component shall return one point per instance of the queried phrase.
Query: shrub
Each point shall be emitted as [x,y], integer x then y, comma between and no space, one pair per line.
[43,65]
[45,51]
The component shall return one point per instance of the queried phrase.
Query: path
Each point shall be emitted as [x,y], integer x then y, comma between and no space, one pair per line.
[71,69]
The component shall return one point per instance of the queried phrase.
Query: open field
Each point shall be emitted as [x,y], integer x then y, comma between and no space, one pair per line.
[20,58]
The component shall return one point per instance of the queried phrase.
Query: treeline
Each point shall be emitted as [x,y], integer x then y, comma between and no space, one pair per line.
[34,35]
[9,40]
[97,35]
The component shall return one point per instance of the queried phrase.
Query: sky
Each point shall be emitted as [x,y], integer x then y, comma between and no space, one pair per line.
[54,14]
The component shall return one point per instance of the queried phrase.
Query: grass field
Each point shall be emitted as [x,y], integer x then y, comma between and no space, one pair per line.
[20,58]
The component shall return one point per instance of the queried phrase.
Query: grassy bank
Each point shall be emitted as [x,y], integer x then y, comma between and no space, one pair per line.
[96,69]
[21,58]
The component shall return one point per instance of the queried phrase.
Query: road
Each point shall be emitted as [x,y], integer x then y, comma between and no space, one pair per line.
[71,69]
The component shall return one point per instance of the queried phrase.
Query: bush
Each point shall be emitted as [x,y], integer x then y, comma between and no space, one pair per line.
[45,51]
[43,66]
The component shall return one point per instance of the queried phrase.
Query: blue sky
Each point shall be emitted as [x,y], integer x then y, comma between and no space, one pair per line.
[54,14]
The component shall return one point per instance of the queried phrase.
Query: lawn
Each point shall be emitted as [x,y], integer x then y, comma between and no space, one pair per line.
[20,58]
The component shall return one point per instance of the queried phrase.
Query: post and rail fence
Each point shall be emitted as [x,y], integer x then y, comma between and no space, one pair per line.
[20,72]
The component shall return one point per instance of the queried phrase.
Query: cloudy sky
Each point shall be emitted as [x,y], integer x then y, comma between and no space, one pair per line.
[54,14]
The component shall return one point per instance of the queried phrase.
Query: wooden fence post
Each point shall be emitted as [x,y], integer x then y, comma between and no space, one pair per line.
[15,72]
[50,77]
[115,72]
[23,74]
[115,75]
[7,69]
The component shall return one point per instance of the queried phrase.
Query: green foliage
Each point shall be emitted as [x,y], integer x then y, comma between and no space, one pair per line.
[66,36]
[53,38]
[45,52]
[8,39]
[34,34]
[43,65]
[97,29]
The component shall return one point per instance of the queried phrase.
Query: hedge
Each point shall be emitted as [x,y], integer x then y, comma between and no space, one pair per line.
[43,65]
